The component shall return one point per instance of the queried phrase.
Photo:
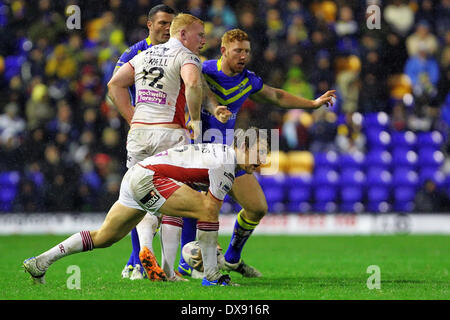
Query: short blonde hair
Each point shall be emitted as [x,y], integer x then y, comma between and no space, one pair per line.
[181,21]
[234,35]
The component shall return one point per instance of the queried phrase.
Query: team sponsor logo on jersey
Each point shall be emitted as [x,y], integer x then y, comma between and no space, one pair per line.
[229,176]
[152,96]
[150,199]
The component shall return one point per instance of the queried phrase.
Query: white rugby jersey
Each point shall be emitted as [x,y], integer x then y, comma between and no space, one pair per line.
[160,95]
[201,166]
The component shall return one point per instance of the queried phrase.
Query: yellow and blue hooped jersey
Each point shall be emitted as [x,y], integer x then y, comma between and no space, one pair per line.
[230,92]
[128,54]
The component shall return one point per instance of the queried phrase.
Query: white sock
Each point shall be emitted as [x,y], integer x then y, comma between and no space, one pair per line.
[207,233]
[76,243]
[146,229]
[170,241]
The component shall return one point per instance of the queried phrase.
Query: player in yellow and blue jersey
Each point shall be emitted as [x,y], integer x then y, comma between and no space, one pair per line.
[232,84]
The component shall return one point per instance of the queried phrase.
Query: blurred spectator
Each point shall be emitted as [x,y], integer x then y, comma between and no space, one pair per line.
[275,25]
[394,54]
[38,109]
[399,16]
[219,7]
[63,122]
[297,32]
[12,126]
[323,131]
[256,32]
[423,70]
[442,19]
[196,8]
[399,117]
[348,84]
[426,12]
[350,138]
[29,198]
[422,38]
[295,129]
[85,199]
[346,24]
[429,199]
[108,194]
[34,145]
[297,84]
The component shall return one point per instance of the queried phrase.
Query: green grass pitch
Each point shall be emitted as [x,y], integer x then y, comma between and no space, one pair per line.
[294,268]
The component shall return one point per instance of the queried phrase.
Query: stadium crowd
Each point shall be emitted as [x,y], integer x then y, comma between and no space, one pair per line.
[67,141]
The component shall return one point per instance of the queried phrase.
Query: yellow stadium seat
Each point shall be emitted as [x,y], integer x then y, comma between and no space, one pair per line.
[277,162]
[300,162]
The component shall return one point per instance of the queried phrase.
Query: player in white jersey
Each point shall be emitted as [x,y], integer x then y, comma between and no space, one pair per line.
[166,77]
[160,185]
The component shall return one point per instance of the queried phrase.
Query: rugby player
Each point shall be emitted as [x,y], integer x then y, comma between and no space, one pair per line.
[232,83]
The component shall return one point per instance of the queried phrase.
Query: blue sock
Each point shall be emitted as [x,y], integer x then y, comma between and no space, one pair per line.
[136,248]
[243,229]
[188,233]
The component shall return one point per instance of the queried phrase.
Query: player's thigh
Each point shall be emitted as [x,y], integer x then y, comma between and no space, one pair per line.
[249,194]
[119,221]
[186,202]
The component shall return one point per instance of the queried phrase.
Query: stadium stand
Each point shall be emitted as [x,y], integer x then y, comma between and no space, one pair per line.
[373,151]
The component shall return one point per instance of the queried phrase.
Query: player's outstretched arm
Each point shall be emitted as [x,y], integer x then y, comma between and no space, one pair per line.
[284,99]
[118,91]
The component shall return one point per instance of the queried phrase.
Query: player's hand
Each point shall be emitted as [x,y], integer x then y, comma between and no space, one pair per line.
[327,99]
[194,128]
[222,114]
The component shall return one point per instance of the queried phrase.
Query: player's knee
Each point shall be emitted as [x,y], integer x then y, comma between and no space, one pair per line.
[258,212]
[208,213]
[102,239]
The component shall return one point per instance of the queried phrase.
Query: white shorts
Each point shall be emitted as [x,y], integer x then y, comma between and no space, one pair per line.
[146,190]
[146,142]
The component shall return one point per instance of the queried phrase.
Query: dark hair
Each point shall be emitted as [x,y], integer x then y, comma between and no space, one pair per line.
[251,136]
[158,8]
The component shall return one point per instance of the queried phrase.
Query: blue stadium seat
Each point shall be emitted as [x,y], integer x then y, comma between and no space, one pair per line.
[325,206]
[429,157]
[378,177]
[407,206]
[379,158]
[352,194]
[431,173]
[325,193]
[327,160]
[299,194]
[351,160]
[404,158]
[378,206]
[432,139]
[379,120]
[353,206]
[404,177]
[8,194]
[446,184]
[378,194]
[9,178]
[297,207]
[404,194]
[324,176]
[352,177]
[378,138]
[276,207]
[404,139]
